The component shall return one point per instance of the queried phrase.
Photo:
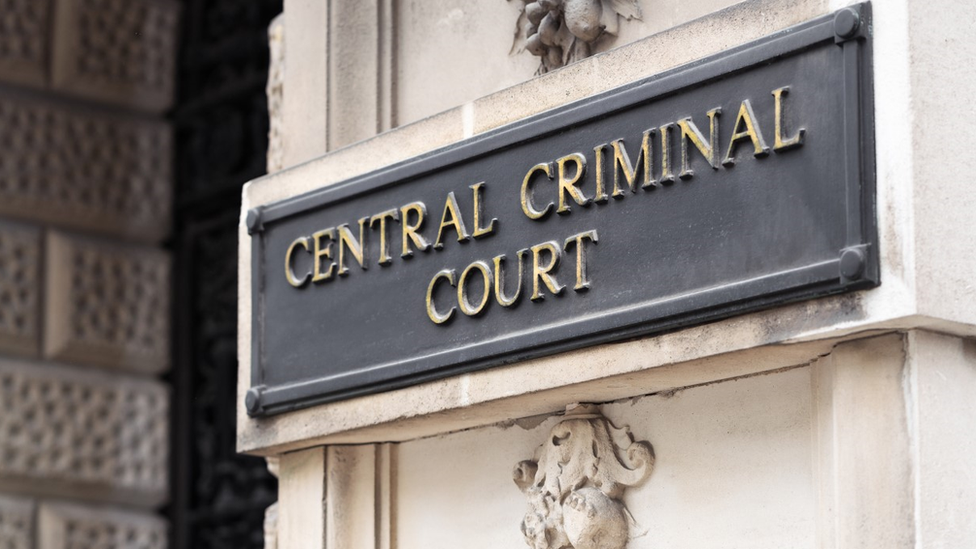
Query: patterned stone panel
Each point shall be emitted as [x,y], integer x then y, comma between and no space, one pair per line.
[20,258]
[107,304]
[64,526]
[118,51]
[83,169]
[71,432]
[16,523]
[24,35]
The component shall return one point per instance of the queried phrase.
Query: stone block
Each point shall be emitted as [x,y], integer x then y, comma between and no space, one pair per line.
[437,38]
[64,526]
[83,434]
[107,304]
[20,259]
[24,41]
[117,51]
[84,169]
[16,523]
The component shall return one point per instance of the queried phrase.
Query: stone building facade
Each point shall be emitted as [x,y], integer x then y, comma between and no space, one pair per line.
[837,422]
[86,194]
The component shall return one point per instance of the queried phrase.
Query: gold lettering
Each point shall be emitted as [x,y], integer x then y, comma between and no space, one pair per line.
[322,251]
[622,164]
[478,190]
[382,217]
[779,144]
[462,292]
[289,272]
[601,193]
[436,317]
[500,280]
[582,282]
[455,222]
[667,176]
[526,197]
[410,231]
[752,132]
[540,272]
[690,133]
[567,185]
[348,242]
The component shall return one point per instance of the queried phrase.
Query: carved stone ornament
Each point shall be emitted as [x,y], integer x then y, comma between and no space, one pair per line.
[575,483]
[563,31]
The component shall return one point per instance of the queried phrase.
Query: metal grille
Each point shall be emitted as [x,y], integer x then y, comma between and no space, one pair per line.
[221,125]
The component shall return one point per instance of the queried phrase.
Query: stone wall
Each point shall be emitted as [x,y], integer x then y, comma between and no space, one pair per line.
[839,422]
[85,201]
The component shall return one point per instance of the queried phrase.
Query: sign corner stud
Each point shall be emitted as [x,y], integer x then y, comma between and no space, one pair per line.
[852,263]
[252,401]
[847,22]
[253,221]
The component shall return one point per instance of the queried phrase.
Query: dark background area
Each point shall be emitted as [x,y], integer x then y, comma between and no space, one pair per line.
[221,132]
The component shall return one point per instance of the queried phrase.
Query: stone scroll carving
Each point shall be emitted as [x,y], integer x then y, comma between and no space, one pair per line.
[575,483]
[563,31]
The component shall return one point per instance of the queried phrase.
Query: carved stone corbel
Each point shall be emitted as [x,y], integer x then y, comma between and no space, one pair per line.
[560,32]
[576,480]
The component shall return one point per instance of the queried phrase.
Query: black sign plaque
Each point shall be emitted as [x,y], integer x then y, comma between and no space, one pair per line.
[734,183]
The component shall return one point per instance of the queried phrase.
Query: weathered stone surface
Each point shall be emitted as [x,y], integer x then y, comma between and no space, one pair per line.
[723,450]
[301,493]
[69,432]
[271,513]
[63,526]
[84,169]
[107,304]
[119,51]
[20,256]
[16,523]
[276,93]
[23,40]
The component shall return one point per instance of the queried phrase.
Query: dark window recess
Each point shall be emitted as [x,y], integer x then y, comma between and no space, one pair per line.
[221,126]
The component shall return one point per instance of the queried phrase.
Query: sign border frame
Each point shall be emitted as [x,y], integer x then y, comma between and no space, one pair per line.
[811,281]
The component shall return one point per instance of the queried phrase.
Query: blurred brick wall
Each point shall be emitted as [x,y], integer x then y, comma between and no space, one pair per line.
[86,190]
